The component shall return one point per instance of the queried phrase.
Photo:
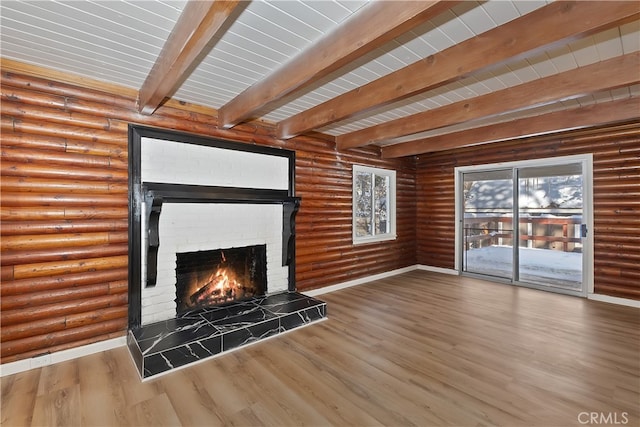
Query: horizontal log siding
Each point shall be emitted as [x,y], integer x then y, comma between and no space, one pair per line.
[64,210]
[616,193]
[64,223]
[324,250]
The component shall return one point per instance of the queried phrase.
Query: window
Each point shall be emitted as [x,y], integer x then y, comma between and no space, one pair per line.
[374,204]
[527,222]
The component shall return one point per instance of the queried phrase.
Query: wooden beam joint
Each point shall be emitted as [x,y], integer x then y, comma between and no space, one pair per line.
[199,23]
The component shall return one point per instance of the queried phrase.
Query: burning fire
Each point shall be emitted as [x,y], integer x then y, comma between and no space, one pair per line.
[219,287]
[207,279]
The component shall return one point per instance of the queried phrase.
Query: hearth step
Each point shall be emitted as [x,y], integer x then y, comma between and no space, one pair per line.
[197,335]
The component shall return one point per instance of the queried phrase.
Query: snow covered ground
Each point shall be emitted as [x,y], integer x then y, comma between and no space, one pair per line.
[542,266]
[564,192]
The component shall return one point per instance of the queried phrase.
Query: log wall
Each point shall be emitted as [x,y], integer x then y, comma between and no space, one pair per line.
[616,193]
[64,207]
[64,210]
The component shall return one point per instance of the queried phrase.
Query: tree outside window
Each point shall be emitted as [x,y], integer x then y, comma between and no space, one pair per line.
[373,204]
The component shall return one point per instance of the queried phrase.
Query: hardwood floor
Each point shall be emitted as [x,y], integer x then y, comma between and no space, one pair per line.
[420,349]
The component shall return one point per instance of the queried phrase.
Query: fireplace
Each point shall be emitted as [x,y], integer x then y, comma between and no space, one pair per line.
[211,248]
[213,277]
[185,219]
[190,193]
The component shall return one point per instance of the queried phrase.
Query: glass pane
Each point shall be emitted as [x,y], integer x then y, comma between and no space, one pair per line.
[550,249]
[363,206]
[488,223]
[381,203]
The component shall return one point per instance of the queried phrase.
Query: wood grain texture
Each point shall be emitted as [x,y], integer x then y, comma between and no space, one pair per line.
[561,86]
[584,117]
[78,199]
[415,349]
[370,28]
[64,222]
[546,27]
[190,39]
[64,204]
[616,182]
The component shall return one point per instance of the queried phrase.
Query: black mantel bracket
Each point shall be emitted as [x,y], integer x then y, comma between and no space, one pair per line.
[155,194]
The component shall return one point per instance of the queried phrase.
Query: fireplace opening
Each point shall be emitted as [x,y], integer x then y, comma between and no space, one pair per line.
[213,277]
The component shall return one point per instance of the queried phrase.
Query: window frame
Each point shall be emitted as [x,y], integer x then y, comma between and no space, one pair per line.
[586,160]
[391,191]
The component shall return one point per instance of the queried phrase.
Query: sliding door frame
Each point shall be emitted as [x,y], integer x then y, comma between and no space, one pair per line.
[586,161]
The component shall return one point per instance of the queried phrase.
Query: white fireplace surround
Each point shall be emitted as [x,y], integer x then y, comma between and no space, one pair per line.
[186,227]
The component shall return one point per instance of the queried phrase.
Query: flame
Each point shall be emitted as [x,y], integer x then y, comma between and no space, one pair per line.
[219,287]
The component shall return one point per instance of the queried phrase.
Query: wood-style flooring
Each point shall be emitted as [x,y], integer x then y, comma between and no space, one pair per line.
[420,348]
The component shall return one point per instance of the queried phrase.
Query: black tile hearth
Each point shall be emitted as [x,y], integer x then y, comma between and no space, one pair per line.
[196,335]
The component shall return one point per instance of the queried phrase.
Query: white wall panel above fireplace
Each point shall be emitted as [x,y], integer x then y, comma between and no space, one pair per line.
[179,163]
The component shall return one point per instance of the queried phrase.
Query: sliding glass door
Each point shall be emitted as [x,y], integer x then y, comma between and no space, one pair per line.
[487,223]
[550,218]
[525,223]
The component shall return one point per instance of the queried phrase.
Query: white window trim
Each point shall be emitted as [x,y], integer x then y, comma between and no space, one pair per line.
[391,235]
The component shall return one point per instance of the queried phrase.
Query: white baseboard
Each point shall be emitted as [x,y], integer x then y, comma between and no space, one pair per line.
[332,288]
[386,274]
[438,269]
[614,300]
[60,356]
[327,289]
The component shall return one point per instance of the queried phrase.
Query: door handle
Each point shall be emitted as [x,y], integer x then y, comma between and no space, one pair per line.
[583,230]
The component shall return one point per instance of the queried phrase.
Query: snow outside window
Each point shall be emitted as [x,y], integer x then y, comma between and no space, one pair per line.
[374,204]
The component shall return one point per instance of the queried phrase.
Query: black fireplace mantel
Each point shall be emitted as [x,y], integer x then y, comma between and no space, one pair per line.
[156,194]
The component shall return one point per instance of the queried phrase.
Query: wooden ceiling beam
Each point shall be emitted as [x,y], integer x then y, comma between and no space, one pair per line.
[532,33]
[371,27]
[189,40]
[610,74]
[576,118]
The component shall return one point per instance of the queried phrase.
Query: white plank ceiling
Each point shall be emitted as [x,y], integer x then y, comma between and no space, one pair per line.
[119,41]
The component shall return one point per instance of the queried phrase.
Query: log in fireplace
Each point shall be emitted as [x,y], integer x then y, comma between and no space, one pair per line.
[219,276]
